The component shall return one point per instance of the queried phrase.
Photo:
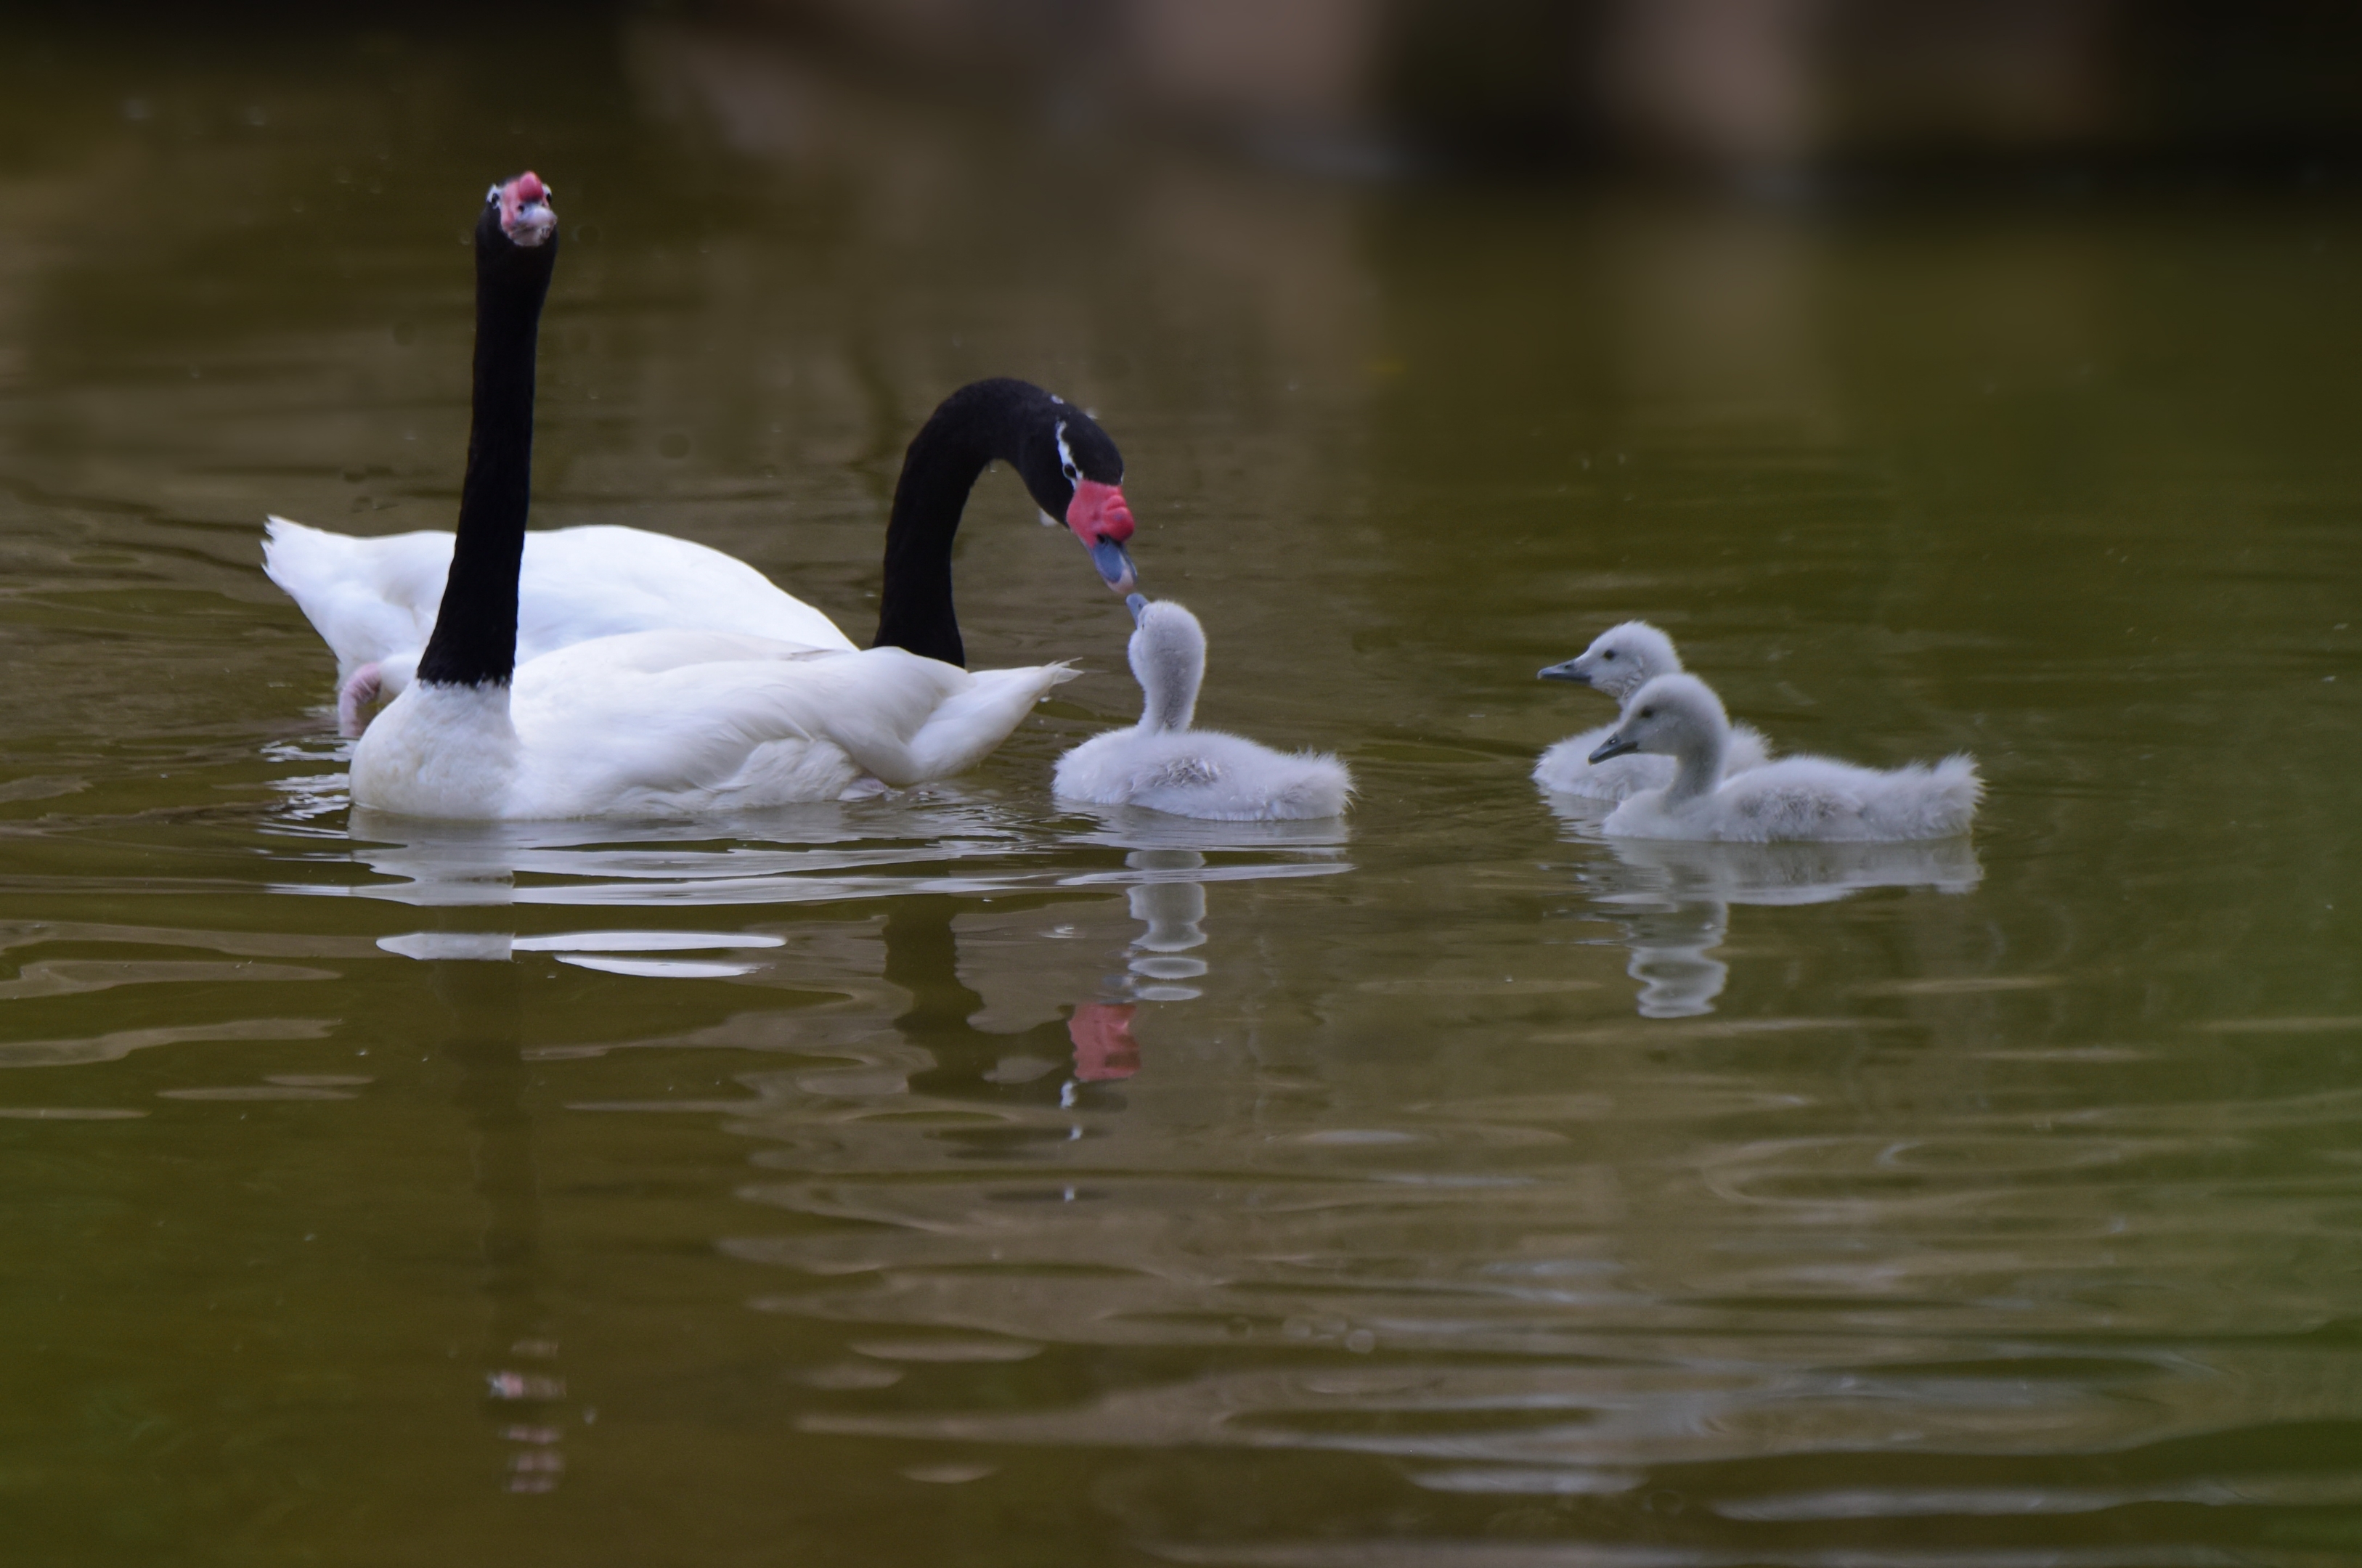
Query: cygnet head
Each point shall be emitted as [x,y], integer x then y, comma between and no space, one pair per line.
[1168,659]
[1670,716]
[1620,661]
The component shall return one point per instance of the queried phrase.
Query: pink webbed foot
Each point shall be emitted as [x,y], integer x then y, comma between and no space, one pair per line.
[354,698]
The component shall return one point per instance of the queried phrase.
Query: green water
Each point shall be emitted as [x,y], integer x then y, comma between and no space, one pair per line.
[1459,1188]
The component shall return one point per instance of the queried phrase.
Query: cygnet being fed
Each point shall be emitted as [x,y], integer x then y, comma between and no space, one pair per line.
[1163,765]
[1809,798]
[1618,663]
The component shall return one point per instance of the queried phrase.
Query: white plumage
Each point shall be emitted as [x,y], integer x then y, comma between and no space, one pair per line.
[1163,765]
[373,601]
[1620,661]
[763,703]
[675,724]
[1808,799]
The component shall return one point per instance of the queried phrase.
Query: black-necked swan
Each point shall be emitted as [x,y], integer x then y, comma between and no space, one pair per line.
[1790,800]
[1618,662]
[1164,766]
[655,723]
[374,601]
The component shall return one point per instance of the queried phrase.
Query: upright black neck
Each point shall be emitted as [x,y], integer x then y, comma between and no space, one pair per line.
[1009,420]
[475,631]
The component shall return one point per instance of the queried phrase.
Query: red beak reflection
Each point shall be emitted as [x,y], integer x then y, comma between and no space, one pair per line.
[1104,1047]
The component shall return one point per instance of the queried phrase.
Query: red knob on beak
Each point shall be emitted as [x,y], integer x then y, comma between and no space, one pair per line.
[1103,520]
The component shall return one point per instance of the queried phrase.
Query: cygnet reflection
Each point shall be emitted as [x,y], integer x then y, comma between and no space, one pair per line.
[1674,900]
[1174,912]
[1168,862]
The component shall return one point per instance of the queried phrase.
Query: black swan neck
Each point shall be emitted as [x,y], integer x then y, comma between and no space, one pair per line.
[475,630]
[1000,419]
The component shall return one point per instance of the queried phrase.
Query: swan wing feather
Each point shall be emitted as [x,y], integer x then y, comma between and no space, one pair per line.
[369,599]
[375,600]
[679,721]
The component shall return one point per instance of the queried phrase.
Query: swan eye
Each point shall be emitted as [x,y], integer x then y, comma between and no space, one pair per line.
[1648,712]
[1610,653]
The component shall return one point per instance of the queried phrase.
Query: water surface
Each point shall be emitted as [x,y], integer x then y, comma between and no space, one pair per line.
[951,1178]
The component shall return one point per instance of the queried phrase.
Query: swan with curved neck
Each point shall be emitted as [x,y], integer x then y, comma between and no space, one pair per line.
[375,601]
[664,722]
[1163,765]
[1794,799]
[1618,662]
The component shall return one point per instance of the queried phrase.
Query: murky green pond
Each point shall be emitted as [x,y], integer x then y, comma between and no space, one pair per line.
[950,1179]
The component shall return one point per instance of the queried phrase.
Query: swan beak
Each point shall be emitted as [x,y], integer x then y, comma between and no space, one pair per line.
[1564,672]
[1103,520]
[1135,602]
[1613,746]
[527,217]
[1115,565]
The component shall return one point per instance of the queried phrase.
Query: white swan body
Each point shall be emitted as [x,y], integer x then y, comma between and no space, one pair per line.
[373,601]
[1794,799]
[672,722]
[675,724]
[1164,766]
[1618,662]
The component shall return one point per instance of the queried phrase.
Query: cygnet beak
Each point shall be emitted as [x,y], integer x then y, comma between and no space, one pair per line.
[1135,602]
[1564,672]
[1613,746]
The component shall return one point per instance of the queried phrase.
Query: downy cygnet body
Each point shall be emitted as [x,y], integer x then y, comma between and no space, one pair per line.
[1163,765]
[1794,799]
[1619,662]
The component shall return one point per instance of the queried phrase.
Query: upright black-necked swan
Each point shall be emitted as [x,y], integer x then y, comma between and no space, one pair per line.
[668,722]
[1792,799]
[1163,765]
[1618,662]
[374,601]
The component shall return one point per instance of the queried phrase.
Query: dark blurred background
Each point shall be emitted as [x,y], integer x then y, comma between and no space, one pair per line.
[1748,88]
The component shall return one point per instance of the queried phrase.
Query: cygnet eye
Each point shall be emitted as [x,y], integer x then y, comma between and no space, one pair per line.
[1648,712]
[1608,654]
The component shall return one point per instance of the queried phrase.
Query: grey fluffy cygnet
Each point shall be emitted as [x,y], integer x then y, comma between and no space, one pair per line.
[1618,663]
[1163,765]
[1794,799]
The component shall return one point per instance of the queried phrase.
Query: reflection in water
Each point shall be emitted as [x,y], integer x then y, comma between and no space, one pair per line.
[1167,859]
[1104,1047]
[480,1030]
[1174,912]
[1674,900]
[805,855]
[917,843]
[1963,1239]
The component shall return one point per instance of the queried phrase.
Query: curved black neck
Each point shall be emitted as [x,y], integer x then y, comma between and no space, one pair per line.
[475,631]
[1009,420]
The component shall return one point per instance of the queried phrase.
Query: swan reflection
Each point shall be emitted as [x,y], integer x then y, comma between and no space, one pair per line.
[1674,899]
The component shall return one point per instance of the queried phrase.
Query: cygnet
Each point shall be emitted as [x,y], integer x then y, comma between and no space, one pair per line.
[1796,799]
[1622,660]
[1163,765]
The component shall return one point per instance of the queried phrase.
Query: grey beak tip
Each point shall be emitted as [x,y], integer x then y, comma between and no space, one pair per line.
[1114,564]
[1135,602]
[1562,672]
